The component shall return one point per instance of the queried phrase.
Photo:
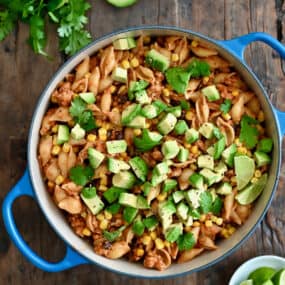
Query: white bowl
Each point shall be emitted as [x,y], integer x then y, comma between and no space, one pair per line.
[246,268]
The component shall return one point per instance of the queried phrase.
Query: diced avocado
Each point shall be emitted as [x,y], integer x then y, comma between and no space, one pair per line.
[142,97]
[88,97]
[136,86]
[173,232]
[139,167]
[113,193]
[77,132]
[221,168]
[95,157]
[183,154]
[150,222]
[206,130]
[169,184]
[129,213]
[130,113]
[165,211]
[181,127]
[62,134]
[161,168]
[219,147]
[265,145]
[139,122]
[211,92]
[193,197]
[197,181]
[157,179]
[224,189]
[210,176]
[228,155]
[211,150]
[116,165]
[178,196]
[176,111]
[170,149]
[89,192]
[182,211]
[124,44]
[116,146]
[167,124]
[128,199]
[191,135]
[194,213]
[124,179]
[94,204]
[149,111]
[157,60]
[205,161]
[120,74]
[189,221]
[160,106]
[114,208]
[146,187]
[138,227]
[261,158]
[142,203]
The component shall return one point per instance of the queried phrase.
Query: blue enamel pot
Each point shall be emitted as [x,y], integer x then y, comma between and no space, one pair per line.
[77,250]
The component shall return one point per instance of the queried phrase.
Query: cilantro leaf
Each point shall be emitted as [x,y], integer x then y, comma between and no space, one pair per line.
[86,120]
[206,201]
[198,68]
[147,141]
[7,23]
[248,132]
[112,236]
[226,106]
[186,241]
[77,107]
[81,175]
[217,206]
[178,78]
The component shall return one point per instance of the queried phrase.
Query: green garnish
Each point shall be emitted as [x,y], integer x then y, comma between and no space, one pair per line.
[248,132]
[138,227]
[207,204]
[217,206]
[150,222]
[185,105]
[114,208]
[113,193]
[112,236]
[226,106]
[217,133]
[186,241]
[136,86]
[88,192]
[81,175]
[147,141]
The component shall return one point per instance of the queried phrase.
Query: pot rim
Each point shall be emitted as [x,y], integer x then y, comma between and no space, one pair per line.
[150,28]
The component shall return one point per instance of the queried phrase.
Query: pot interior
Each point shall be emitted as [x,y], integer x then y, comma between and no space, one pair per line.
[57,219]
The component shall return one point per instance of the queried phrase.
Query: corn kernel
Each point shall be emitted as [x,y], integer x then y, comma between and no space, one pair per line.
[159,243]
[188,229]
[146,240]
[153,235]
[231,230]
[194,149]
[137,132]
[146,39]
[122,90]
[254,180]
[237,142]
[113,89]
[75,149]
[104,224]
[100,217]
[206,79]
[102,134]
[139,252]
[203,218]
[260,116]
[147,125]
[59,179]
[165,92]
[74,96]
[55,149]
[219,221]
[196,224]
[194,43]
[233,179]
[91,137]
[161,197]
[125,64]
[86,232]
[189,115]
[249,153]
[71,123]
[104,180]
[134,62]
[50,184]
[226,116]
[53,99]
[174,57]
[187,145]
[242,150]
[235,93]
[257,173]
[167,243]
[108,215]
[66,147]
[224,233]
[193,167]
[83,215]
[102,188]
[99,123]
[208,223]
[214,219]
[54,129]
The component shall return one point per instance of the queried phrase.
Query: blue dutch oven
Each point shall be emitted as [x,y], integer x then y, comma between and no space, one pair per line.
[80,252]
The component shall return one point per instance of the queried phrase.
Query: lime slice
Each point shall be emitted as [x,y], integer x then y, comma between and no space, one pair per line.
[247,282]
[244,169]
[268,282]
[122,3]
[262,275]
[251,192]
[279,277]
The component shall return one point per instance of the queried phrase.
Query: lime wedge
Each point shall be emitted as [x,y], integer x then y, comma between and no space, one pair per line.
[244,169]
[261,275]
[251,192]
[247,282]
[279,277]
[268,282]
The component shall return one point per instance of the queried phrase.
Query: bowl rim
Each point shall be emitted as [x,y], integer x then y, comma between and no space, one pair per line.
[150,28]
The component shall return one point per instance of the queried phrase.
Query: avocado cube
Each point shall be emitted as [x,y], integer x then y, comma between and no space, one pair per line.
[116,146]
[183,154]
[95,157]
[124,44]
[193,198]
[221,168]
[157,60]
[170,149]
[205,161]
[228,155]
[128,199]
[169,184]
[173,232]
[211,92]
[181,127]
[207,130]
[178,196]
[261,158]
[197,181]
[211,150]
[210,176]
[191,135]
[182,211]
[94,204]
[129,213]
[124,179]
[139,122]
[265,145]
[138,227]
[120,74]
[167,124]
[161,168]
[150,222]
[62,134]
[142,203]
[142,97]
[149,111]
[88,97]
[224,189]
[116,165]
[113,193]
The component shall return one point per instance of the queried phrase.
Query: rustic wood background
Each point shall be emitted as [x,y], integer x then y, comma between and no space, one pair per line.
[24,75]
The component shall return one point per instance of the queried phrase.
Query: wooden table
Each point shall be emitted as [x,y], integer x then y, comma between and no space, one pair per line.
[24,75]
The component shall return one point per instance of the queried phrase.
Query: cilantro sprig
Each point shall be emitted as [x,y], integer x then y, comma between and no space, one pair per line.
[248,132]
[186,241]
[208,204]
[112,236]
[81,175]
[226,106]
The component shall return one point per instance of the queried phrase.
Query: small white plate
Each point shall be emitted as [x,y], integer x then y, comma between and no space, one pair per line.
[246,268]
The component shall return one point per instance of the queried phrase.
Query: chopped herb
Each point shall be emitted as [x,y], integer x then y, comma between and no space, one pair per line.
[186,241]
[199,68]
[147,142]
[217,133]
[114,208]
[206,201]
[248,132]
[217,206]
[226,106]
[7,23]
[89,192]
[81,175]
[112,236]
[185,105]
[136,86]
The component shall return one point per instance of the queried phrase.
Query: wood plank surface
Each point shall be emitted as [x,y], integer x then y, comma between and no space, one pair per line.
[24,75]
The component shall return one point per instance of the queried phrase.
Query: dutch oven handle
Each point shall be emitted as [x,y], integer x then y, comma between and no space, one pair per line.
[238,45]
[24,188]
